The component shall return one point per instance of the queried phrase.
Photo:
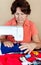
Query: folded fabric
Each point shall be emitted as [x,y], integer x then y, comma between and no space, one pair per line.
[14,49]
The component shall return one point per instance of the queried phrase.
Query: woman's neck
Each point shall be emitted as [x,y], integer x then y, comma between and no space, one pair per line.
[19,24]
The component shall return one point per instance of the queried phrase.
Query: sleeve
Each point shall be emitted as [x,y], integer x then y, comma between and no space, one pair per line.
[34,30]
[8,23]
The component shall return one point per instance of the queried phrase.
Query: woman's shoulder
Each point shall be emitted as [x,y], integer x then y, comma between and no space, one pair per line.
[29,22]
[11,22]
[32,23]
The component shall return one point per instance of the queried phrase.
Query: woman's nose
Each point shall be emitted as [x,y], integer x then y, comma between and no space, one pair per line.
[19,16]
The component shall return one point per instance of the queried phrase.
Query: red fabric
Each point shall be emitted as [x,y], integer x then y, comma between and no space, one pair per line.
[10,38]
[2,60]
[39,55]
[14,59]
[10,59]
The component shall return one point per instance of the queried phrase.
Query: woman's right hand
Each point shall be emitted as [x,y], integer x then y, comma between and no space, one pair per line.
[8,43]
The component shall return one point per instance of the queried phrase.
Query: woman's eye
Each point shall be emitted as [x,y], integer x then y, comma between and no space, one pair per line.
[19,14]
[22,14]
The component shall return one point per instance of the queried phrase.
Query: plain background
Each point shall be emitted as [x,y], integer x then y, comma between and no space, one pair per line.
[35,16]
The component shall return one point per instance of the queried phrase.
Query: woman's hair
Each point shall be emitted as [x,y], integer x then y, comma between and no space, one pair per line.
[23,4]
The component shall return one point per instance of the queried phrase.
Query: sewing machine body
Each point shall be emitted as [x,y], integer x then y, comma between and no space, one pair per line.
[16,31]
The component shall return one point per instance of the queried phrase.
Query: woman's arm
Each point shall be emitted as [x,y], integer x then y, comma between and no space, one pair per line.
[37,40]
[35,44]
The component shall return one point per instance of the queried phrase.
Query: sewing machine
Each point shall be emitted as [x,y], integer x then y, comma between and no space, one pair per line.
[16,31]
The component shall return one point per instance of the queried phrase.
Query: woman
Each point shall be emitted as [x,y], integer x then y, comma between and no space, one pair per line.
[21,9]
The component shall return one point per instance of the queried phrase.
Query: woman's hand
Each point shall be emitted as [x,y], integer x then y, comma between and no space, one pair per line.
[28,46]
[8,43]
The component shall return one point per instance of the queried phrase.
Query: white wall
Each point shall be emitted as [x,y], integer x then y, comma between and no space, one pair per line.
[5,13]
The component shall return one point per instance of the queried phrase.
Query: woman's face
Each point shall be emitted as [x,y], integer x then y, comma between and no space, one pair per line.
[20,16]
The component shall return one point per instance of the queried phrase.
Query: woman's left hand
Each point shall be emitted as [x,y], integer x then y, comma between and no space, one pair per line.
[28,46]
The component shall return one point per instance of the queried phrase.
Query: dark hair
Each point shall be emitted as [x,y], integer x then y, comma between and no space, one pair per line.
[23,4]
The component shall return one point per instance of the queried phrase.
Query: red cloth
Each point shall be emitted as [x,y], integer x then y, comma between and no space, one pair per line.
[2,60]
[10,59]
[14,59]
